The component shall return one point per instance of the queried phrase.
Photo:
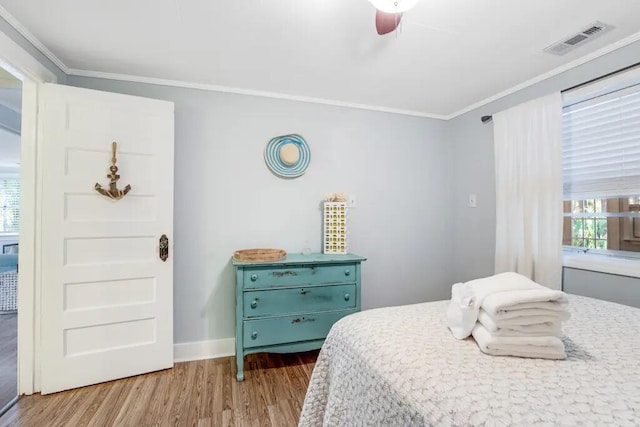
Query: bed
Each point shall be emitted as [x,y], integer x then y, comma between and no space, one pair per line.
[8,283]
[400,366]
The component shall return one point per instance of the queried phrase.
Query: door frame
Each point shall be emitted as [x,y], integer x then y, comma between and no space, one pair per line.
[32,73]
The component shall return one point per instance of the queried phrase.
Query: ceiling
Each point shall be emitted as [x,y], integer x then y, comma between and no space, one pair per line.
[449,56]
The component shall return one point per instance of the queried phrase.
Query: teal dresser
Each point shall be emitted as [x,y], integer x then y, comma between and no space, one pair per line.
[290,305]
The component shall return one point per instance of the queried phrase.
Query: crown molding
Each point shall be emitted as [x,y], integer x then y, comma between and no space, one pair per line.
[17,25]
[250,92]
[566,67]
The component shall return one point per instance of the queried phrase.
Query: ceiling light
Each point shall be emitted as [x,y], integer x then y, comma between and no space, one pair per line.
[393,6]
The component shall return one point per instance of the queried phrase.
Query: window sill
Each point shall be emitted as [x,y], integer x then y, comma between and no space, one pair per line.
[602,264]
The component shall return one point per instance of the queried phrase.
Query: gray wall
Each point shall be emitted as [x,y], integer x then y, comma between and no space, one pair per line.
[226,198]
[609,287]
[406,172]
[472,144]
[26,45]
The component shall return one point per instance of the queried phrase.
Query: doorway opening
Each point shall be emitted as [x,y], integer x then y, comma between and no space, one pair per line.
[10,148]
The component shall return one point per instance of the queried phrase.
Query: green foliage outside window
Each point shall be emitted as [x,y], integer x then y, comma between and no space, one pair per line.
[589,233]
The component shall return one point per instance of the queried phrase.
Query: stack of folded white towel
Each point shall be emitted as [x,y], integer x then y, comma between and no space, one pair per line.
[509,315]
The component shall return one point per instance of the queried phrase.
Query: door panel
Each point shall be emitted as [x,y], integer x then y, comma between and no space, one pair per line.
[107,298]
[111,293]
[87,207]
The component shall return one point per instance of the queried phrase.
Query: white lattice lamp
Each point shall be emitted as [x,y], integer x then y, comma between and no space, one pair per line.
[393,6]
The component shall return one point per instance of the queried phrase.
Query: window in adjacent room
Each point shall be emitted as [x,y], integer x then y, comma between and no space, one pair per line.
[9,205]
[601,165]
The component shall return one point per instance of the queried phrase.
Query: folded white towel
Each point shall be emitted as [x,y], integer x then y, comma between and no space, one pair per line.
[522,299]
[531,347]
[528,312]
[468,297]
[510,281]
[537,327]
[462,311]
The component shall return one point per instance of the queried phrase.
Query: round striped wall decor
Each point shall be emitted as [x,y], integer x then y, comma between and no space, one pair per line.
[287,156]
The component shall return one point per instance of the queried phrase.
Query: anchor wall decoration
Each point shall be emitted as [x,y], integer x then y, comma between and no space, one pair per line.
[113,192]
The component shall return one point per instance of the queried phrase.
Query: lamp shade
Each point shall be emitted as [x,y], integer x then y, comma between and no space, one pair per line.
[393,6]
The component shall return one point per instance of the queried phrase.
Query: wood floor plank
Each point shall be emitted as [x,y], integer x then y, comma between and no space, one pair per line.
[72,413]
[205,404]
[181,398]
[283,414]
[96,400]
[200,394]
[260,399]
[228,419]
[229,371]
[112,404]
[241,401]
[161,401]
[215,388]
[63,402]
[137,401]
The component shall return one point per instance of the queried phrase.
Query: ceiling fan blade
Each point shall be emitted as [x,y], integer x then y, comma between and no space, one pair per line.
[387,22]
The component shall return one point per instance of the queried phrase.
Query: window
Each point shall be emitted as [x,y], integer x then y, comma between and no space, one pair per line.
[601,165]
[9,205]
[603,224]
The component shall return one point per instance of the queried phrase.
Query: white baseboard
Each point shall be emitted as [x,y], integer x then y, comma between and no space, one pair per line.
[199,350]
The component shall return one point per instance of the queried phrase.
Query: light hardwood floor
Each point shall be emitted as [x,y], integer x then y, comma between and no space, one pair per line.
[201,393]
[8,357]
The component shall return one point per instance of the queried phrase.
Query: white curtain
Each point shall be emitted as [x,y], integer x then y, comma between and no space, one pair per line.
[528,157]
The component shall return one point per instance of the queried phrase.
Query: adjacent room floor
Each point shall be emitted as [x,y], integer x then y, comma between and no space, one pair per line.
[202,393]
[8,357]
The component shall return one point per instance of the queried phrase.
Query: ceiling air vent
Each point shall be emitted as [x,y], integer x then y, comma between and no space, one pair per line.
[581,37]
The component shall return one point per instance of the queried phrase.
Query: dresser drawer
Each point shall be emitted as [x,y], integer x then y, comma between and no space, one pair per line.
[264,277]
[287,329]
[299,300]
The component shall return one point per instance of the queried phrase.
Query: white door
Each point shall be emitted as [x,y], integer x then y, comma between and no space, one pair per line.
[107,297]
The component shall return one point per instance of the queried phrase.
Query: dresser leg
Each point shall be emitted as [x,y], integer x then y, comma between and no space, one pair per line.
[240,365]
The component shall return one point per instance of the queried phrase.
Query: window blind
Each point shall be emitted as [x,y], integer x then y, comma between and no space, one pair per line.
[601,145]
[9,205]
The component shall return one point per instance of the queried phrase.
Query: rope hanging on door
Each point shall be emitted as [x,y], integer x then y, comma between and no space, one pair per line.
[113,192]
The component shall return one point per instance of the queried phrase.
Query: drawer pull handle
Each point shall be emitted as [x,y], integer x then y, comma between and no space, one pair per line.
[347,272]
[347,297]
[254,335]
[303,319]
[254,303]
[254,277]
[304,291]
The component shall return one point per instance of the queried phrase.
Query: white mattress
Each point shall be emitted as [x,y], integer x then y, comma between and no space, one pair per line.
[401,366]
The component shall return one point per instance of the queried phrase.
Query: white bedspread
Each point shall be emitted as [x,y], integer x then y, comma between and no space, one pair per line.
[401,366]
